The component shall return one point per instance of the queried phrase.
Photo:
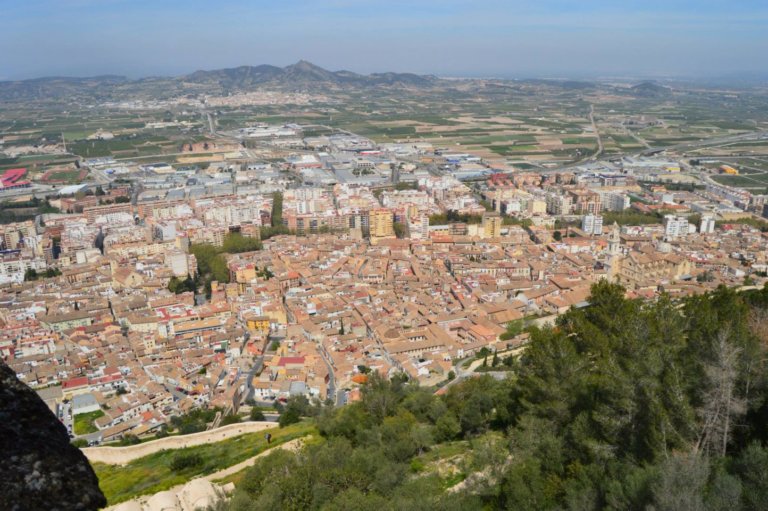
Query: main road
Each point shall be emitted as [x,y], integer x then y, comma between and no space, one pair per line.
[707,142]
[596,131]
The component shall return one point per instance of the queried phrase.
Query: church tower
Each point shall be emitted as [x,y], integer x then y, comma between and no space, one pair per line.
[614,241]
[614,252]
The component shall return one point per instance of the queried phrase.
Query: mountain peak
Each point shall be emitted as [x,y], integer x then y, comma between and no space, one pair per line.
[649,88]
[305,64]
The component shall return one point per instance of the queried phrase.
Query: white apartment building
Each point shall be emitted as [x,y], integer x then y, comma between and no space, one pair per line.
[592,224]
[13,267]
[559,204]
[615,201]
[675,226]
[707,225]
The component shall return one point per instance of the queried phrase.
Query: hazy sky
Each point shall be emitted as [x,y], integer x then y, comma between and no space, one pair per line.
[447,37]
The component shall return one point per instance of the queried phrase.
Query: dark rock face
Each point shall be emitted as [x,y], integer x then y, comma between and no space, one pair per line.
[39,468]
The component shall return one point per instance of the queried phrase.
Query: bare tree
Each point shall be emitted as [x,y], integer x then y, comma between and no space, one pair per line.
[680,484]
[721,403]
[758,324]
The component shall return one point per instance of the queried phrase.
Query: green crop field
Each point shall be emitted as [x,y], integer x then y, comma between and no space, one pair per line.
[512,149]
[624,140]
[499,138]
[398,131]
[579,140]
[751,181]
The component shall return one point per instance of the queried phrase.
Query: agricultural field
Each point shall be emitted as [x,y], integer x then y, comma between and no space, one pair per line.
[510,124]
[752,182]
[45,138]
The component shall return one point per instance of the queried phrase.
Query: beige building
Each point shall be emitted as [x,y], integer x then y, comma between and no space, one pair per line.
[491,225]
[638,269]
[537,207]
[380,223]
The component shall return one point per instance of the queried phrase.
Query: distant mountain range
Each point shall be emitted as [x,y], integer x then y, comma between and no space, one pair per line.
[300,76]
[302,73]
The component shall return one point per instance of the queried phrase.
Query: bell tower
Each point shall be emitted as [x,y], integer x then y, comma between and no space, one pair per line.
[614,241]
[614,252]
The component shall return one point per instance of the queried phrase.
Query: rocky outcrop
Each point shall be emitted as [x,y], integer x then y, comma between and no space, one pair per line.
[40,469]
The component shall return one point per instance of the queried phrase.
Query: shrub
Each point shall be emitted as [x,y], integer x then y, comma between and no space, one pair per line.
[184,461]
[230,419]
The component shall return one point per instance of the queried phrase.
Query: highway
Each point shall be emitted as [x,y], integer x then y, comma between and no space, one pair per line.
[707,142]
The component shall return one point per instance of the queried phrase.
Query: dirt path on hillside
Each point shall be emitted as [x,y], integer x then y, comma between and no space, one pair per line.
[292,445]
[123,455]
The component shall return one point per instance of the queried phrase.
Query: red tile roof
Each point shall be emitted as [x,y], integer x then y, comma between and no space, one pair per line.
[290,360]
[80,381]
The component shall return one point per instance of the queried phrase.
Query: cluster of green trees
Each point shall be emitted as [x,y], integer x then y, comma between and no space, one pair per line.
[267,232]
[623,404]
[497,363]
[257,414]
[32,274]
[194,421]
[236,243]
[451,217]
[211,263]
[276,227]
[35,202]
[630,217]
[689,187]
[232,418]
[178,286]
[121,199]
[513,329]
[365,461]
[127,440]
[522,222]
[25,210]
[400,229]
[295,408]
[277,209]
